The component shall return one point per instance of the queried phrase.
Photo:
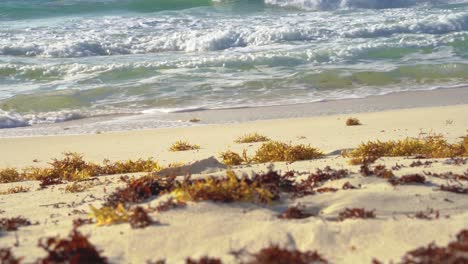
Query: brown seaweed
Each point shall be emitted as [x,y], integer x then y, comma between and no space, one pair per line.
[407,179]
[326,189]
[12,224]
[138,190]
[74,249]
[170,204]
[294,212]
[455,252]
[274,254]
[454,189]
[348,186]
[354,213]
[353,122]
[429,214]
[7,257]
[140,219]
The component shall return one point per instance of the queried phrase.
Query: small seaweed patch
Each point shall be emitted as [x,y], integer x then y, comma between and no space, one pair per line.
[138,190]
[294,212]
[348,186]
[420,163]
[49,181]
[449,176]
[326,190]
[355,213]
[183,146]
[12,224]
[74,249]
[229,189]
[231,158]
[251,138]
[327,174]
[109,215]
[353,122]
[82,221]
[77,187]
[379,171]
[170,204]
[274,151]
[72,167]
[427,147]
[204,260]
[429,214]
[10,175]
[453,189]
[7,257]
[17,189]
[407,179]
[456,161]
[194,120]
[454,252]
[140,219]
[274,254]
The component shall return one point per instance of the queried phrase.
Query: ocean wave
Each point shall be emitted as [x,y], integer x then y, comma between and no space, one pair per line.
[13,119]
[432,24]
[346,4]
[25,9]
[116,35]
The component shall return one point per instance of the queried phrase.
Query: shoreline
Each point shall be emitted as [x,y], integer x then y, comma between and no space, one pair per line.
[150,121]
[328,133]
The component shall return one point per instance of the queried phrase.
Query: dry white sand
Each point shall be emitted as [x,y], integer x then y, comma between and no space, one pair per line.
[215,229]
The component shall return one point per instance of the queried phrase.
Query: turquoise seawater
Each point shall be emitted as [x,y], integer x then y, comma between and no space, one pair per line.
[67,59]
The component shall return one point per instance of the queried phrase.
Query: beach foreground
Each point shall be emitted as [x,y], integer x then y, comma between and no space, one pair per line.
[407,216]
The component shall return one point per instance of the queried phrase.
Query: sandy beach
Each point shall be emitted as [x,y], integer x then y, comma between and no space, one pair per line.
[215,229]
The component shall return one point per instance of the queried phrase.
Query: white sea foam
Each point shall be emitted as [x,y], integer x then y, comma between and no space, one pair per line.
[145,35]
[335,4]
[12,119]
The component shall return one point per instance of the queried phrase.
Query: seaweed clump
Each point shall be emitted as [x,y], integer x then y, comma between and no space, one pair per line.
[353,122]
[356,213]
[454,252]
[109,215]
[379,171]
[277,255]
[429,214]
[251,138]
[428,147]
[140,219]
[12,224]
[72,167]
[138,190]
[74,249]
[407,179]
[229,189]
[10,175]
[17,189]
[294,212]
[171,203]
[231,158]
[183,146]
[7,257]
[449,176]
[275,151]
[308,186]
[454,189]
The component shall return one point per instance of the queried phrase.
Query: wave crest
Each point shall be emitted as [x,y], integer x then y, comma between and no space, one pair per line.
[339,4]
